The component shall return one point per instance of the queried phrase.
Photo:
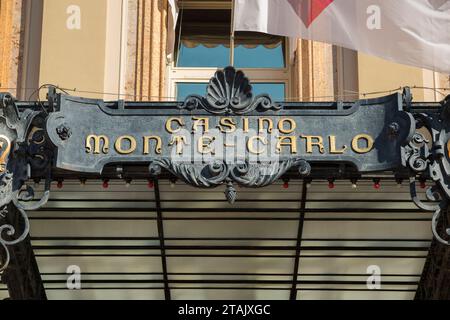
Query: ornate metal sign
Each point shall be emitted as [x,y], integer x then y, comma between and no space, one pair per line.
[228,137]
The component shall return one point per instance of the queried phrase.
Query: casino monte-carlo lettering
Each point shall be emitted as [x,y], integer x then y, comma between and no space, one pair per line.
[200,132]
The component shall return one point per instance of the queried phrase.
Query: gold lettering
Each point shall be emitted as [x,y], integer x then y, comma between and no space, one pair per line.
[250,144]
[5,152]
[178,141]
[131,148]
[355,143]
[157,146]
[333,149]
[292,125]
[292,143]
[261,122]
[97,140]
[203,122]
[310,143]
[229,145]
[227,123]
[245,125]
[204,147]
[179,121]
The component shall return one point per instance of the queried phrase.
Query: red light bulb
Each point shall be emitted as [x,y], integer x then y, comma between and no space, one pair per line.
[105,184]
[377,184]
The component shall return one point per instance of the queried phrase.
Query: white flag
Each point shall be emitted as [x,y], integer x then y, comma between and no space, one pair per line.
[413,32]
[172,24]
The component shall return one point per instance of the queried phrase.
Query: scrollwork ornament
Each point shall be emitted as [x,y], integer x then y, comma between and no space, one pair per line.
[154,169]
[437,202]
[421,158]
[434,225]
[229,92]
[245,174]
[416,153]
[200,175]
[25,197]
[27,151]
[257,175]
[304,168]
[9,235]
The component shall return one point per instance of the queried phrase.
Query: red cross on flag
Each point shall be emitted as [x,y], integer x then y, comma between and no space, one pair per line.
[413,32]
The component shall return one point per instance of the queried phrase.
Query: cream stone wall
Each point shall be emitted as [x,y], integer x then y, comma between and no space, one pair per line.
[120,51]
[74,58]
[376,74]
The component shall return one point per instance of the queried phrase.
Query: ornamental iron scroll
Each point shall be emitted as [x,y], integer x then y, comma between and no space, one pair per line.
[245,174]
[9,235]
[23,149]
[428,154]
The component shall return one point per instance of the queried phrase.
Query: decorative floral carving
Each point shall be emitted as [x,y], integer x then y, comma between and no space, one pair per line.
[63,131]
[229,92]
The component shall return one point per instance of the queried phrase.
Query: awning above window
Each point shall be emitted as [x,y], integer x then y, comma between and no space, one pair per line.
[213,35]
[212,28]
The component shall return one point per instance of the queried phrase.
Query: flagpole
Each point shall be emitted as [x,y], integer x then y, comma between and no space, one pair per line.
[232,35]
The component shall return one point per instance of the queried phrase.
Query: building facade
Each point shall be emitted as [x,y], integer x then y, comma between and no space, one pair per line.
[148,50]
[133,51]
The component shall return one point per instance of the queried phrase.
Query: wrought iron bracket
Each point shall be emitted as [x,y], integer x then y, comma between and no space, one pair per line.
[24,150]
[428,154]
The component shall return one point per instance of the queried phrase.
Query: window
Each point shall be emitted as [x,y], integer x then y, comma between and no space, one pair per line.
[204,41]
[204,45]
[245,56]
